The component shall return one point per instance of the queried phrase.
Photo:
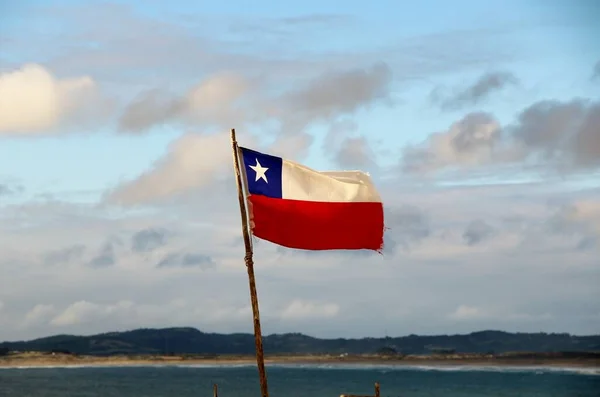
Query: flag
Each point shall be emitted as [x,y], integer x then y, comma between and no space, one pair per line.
[294,206]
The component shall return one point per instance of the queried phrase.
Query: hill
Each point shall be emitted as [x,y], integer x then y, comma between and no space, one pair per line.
[193,341]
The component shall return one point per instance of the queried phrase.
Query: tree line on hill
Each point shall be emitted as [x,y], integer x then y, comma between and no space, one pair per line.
[193,341]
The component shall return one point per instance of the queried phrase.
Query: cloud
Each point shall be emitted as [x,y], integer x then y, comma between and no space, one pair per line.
[65,255]
[299,309]
[84,314]
[477,231]
[347,148]
[33,101]
[338,93]
[177,220]
[226,100]
[9,189]
[149,239]
[464,312]
[579,220]
[285,28]
[192,161]
[566,133]
[214,102]
[469,314]
[563,135]
[474,94]
[83,311]
[40,314]
[298,293]
[184,169]
[356,153]
[468,142]
[187,260]
[407,225]
[106,256]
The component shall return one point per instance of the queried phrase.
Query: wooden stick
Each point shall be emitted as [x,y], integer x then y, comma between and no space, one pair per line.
[215,390]
[260,359]
[376,389]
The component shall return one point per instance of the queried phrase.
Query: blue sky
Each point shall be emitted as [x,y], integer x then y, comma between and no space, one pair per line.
[121,125]
[547,44]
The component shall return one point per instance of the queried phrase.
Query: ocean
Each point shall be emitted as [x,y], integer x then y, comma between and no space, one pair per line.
[299,381]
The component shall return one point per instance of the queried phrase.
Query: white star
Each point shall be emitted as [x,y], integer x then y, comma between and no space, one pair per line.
[260,171]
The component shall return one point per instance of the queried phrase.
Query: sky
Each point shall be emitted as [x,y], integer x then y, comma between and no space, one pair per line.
[478,121]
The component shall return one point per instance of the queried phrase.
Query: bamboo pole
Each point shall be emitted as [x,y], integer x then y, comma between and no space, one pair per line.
[260,359]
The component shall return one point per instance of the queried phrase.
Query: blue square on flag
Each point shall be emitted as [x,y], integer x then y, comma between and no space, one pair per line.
[263,173]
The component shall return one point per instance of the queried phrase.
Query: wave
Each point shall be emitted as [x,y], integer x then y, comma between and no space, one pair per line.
[341,366]
[540,369]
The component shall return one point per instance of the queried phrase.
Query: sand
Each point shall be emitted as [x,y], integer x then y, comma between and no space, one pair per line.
[35,359]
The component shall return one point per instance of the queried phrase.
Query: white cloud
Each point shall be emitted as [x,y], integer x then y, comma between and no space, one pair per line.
[464,312]
[468,142]
[33,101]
[216,102]
[452,253]
[39,315]
[300,309]
[86,315]
[554,135]
[83,312]
[192,161]
[432,271]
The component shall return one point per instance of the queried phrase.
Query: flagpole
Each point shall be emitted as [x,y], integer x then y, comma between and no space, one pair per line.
[260,359]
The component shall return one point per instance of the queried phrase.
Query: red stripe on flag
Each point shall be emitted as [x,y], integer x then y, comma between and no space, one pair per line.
[314,225]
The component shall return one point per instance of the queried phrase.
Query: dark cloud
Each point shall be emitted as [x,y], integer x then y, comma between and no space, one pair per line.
[356,153]
[476,92]
[469,141]
[574,222]
[149,108]
[149,239]
[215,101]
[234,99]
[327,98]
[348,149]
[186,260]
[407,225]
[588,242]
[477,231]
[107,256]
[338,93]
[596,71]
[8,189]
[64,255]
[563,135]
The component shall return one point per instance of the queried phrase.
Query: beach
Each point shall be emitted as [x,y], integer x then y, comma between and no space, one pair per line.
[39,359]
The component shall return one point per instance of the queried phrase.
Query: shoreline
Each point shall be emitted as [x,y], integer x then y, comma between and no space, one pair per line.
[65,360]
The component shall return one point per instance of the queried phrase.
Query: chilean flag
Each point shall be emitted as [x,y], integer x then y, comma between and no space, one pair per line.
[297,207]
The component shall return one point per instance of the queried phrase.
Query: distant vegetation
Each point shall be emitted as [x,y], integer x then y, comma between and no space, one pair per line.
[192,341]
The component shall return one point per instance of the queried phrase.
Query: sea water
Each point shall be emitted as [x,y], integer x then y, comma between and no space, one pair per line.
[299,381]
